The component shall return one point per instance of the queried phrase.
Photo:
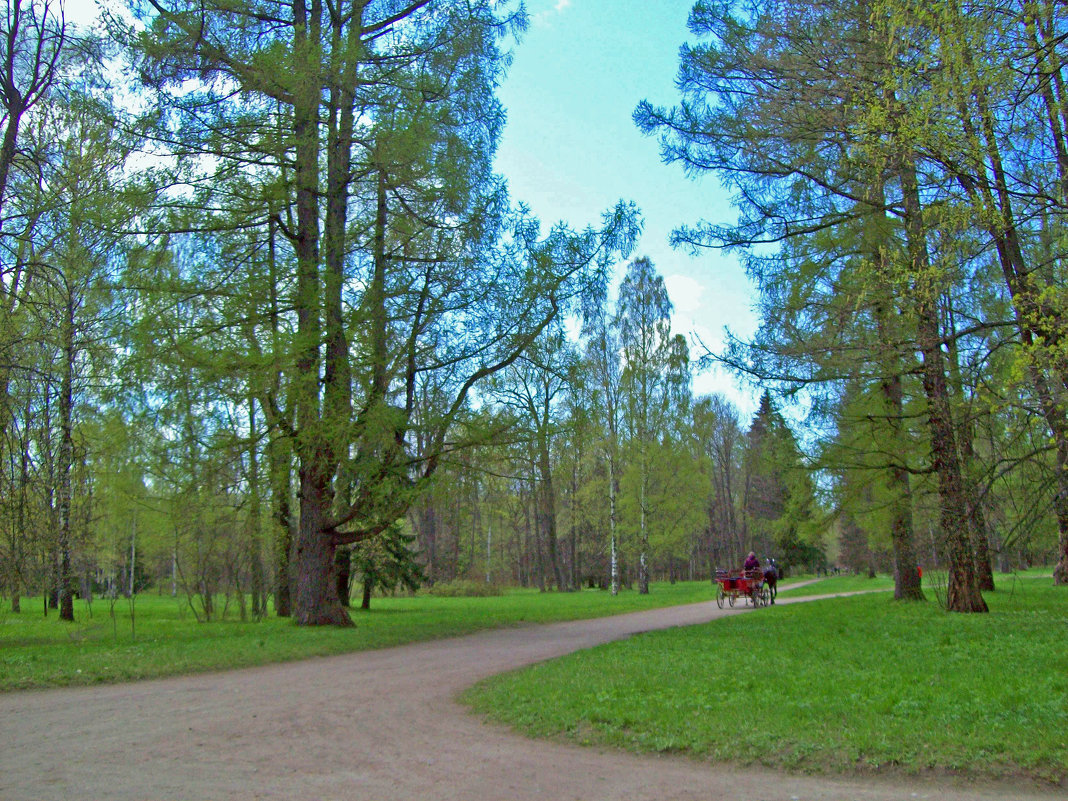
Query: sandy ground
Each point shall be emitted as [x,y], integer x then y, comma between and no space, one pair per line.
[376,725]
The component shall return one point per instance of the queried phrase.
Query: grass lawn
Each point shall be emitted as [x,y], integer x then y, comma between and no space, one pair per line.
[163,637]
[832,686]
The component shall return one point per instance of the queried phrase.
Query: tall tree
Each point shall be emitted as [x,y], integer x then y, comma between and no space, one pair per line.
[643,313]
[378,120]
[532,388]
[804,140]
[602,360]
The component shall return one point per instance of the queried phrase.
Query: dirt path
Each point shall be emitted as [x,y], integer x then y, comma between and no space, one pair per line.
[375,725]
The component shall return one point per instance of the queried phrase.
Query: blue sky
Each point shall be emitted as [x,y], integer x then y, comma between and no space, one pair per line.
[571,150]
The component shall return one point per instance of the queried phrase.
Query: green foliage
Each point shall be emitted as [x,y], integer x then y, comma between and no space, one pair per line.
[780,502]
[840,686]
[387,562]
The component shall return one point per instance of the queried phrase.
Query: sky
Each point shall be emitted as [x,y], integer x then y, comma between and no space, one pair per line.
[570,151]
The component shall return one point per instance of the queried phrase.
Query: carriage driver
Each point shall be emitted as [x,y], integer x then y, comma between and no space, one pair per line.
[751,562]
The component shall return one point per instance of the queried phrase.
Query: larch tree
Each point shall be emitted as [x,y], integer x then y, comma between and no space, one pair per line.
[803,139]
[367,129]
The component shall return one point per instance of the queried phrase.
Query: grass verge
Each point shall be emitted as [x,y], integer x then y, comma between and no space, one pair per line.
[160,637]
[859,684]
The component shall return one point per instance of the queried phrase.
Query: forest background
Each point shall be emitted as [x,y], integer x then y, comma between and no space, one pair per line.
[272,324]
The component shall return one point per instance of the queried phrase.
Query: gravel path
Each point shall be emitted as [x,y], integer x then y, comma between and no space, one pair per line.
[373,725]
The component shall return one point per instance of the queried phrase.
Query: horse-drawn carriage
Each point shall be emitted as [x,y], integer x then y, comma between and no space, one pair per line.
[748,584]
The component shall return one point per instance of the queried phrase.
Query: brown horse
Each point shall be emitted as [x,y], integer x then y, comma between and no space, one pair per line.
[771,580]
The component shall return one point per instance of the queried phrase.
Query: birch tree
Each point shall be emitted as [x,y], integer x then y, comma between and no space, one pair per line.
[643,313]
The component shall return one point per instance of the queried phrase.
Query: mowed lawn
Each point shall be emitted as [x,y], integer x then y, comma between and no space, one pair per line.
[857,684]
[159,635]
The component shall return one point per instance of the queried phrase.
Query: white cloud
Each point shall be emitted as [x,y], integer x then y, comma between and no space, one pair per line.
[543,19]
[685,293]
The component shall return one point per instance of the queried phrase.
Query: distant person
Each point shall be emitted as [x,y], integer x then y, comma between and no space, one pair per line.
[751,562]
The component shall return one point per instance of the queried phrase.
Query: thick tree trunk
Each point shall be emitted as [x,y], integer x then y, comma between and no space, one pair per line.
[907,584]
[315,601]
[963,594]
[1060,507]
[966,432]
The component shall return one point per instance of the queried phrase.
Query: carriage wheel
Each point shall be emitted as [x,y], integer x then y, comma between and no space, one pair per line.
[765,595]
[719,598]
[756,597]
[730,599]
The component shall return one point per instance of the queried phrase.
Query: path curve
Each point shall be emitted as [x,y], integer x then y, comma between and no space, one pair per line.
[371,725]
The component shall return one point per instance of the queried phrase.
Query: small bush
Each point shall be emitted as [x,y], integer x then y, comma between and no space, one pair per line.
[465,588]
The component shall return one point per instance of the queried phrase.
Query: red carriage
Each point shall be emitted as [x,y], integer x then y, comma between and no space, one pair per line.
[748,584]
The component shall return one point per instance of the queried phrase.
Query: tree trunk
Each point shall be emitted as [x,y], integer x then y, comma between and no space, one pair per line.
[66,464]
[255,553]
[643,534]
[344,576]
[315,601]
[907,585]
[613,540]
[963,594]
[997,202]
[280,467]
[547,510]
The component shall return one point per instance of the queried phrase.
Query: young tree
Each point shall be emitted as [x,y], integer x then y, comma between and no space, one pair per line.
[643,314]
[384,563]
[602,362]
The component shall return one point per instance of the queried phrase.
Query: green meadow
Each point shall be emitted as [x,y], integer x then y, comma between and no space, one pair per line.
[159,635]
[845,685]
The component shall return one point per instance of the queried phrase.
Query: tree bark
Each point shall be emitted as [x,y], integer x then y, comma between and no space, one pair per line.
[66,462]
[907,583]
[344,576]
[315,601]
[280,467]
[963,594]
[547,505]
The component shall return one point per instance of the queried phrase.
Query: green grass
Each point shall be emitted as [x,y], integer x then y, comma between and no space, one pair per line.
[846,685]
[165,639]
[833,584]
